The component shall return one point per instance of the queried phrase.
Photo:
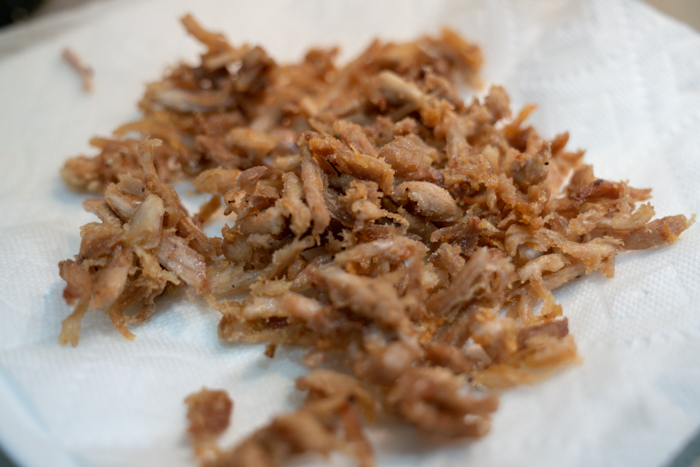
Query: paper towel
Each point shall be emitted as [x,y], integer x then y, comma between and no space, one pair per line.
[625,82]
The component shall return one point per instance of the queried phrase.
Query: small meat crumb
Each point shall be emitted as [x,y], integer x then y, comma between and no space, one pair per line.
[209,412]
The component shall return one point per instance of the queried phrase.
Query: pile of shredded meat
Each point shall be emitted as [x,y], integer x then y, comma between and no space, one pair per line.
[371,214]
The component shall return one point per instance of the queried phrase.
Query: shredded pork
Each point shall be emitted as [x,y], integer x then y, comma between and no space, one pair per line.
[371,214]
[85,72]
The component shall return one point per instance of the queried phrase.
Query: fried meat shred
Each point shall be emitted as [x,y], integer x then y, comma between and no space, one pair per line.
[85,72]
[371,213]
[328,421]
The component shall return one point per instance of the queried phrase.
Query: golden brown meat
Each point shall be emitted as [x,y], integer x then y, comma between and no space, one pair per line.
[372,216]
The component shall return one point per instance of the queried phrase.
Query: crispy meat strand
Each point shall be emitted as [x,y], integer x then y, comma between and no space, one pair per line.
[371,213]
[84,71]
[314,186]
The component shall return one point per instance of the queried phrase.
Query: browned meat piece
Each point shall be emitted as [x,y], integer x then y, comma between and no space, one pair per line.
[253,144]
[357,164]
[432,400]
[293,204]
[595,253]
[353,136]
[325,385]
[558,328]
[448,257]
[199,240]
[216,150]
[658,232]
[399,91]
[94,175]
[84,71]
[495,334]
[297,305]
[394,250]
[78,287]
[209,412]
[217,124]
[287,436]
[216,43]
[450,357]
[284,257]
[464,234]
[372,298]
[216,180]
[174,254]
[111,280]
[83,174]
[412,158]
[146,224]
[531,169]
[385,364]
[486,275]
[497,103]
[314,186]
[431,201]
[313,428]
[170,96]
[599,189]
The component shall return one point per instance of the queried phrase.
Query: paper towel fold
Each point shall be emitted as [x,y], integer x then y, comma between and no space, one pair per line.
[625,82]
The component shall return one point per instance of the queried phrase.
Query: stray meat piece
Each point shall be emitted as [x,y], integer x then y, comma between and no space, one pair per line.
[84,71]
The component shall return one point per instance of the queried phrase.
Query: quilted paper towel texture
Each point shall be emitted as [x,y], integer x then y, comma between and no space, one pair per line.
[622,79]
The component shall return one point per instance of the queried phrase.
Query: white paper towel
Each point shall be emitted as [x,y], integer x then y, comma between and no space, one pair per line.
[622,79]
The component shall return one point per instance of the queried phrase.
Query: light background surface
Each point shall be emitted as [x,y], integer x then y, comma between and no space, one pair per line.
[612,344]
[687,11]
